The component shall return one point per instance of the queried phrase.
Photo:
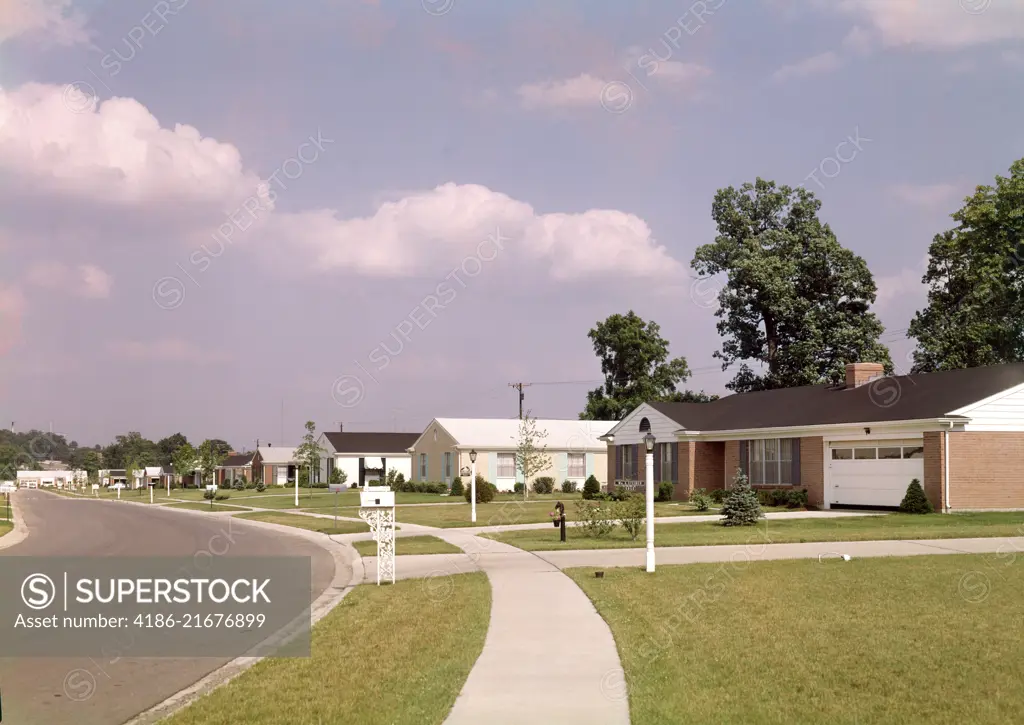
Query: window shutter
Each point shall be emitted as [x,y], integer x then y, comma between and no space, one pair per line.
[796,462]
[636,461]
[590,465]
[744,460]
[657,463]
[492,466]
[675,463]
[618,463]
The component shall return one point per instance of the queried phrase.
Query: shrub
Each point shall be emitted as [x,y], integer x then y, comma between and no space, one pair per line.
[209,494]
[457,489]
[568,486]
[595,519]
[485,491]
[517,488]
[631,514]
[666,489]
[222,496]
[915,502]
[240,483]
[620,494]
[700,499]
[435,487]
[260,486]
[543,484]
[796,499]
[591,487]
[717,495]
[741,507]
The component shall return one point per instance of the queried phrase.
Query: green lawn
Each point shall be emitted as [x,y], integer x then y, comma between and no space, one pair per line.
[866,528]
[5,526]
[205,506]
[505,513]
[361,672]
[410,545]
[133,495]
[311,523]
[929,640]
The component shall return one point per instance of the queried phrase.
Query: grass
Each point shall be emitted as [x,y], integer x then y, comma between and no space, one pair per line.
[361,672]
[310,523]
[276,498]
[410,545]
[5,526]
[111,495]
[863,528]
[205,506]
[914,640]
[505,513]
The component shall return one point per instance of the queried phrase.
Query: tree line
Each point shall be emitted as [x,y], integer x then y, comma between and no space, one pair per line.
[797,304]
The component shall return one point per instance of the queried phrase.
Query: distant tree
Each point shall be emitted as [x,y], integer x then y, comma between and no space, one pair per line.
[531,451]
[167,446]
[636,367]
[308,454]
[130,467]
[221,447]
[690,396]
[975,310]
[795,300]
[208,457]
[185,461]
[91,464]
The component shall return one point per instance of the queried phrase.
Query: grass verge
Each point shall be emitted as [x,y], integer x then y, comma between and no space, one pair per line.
[410,545]
[855,528]
[399,680]
[5,526]
[504,513]
[852,643]
[197,506]
[310,523]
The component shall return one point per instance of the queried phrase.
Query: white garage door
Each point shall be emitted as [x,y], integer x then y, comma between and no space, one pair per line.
[874,473]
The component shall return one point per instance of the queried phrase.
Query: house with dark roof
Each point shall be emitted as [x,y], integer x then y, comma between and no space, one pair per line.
[959,432]
[365,457]
[236,465]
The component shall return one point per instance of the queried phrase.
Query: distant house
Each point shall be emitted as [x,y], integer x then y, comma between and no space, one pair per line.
[573,446]
[280,467]
[237,465]
[50,479]
[111,476]
[171,476]
[365,457]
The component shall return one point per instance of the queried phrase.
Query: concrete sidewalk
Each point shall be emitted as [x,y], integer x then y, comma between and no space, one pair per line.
[548,654]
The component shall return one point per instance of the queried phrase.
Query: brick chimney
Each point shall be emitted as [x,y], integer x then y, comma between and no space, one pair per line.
[859,373]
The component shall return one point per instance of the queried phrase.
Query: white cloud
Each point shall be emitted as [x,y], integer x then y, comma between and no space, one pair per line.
[115,152]
[679,72]
[815,65]
[452,222]
[53,20]
[905,286]
[582,91]
[928,196]
[86,280]
[171,350]
[937,24]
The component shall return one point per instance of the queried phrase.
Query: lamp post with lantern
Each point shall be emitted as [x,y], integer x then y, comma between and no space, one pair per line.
[472,484]
[649,441]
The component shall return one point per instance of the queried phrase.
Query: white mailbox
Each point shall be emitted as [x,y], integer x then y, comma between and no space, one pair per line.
[377,497]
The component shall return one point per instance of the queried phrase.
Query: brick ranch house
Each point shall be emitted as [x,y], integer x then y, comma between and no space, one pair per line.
[960,432]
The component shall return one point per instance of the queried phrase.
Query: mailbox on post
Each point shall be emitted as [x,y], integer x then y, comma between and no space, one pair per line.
[378,510]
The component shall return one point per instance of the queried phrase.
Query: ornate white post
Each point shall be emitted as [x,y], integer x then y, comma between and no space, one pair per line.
[378,510]
[649,490]
[472,479]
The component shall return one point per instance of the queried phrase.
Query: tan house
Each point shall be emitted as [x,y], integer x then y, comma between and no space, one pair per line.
[959,432]
[574,447]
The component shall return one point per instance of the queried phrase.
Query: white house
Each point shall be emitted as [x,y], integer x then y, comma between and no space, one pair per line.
[279,465]
[50,479]
[574,447]
[365,457]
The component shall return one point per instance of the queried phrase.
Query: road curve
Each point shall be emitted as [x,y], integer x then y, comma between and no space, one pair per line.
[47,691]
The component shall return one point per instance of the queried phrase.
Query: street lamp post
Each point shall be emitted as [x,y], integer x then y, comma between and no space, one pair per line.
[472,483]
[649,490]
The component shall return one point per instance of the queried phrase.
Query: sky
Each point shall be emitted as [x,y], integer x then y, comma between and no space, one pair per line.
[228,218]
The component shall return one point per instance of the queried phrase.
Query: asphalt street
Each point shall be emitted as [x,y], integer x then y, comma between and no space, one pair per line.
[111,690]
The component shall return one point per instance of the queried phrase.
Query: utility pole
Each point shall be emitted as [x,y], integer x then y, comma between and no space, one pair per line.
[522,396]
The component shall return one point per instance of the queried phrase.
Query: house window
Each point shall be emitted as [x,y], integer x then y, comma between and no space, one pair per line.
[842,454]
[506,465]
[628,464]
[770,462]
[423,466]
[577,465]
[447,467]
[889,453]
[666,461]
[864,454]
[913,452]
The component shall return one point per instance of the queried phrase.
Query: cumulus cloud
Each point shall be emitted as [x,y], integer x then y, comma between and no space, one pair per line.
[902,288]
[936,25]
[52,20]
[583,91]
[814,65]
[85,280]
[172,350]
[928,196]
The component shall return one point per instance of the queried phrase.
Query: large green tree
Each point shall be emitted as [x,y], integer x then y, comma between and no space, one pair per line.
[308,454]
[794,299]
[976,283]
[167,446]
[636,367]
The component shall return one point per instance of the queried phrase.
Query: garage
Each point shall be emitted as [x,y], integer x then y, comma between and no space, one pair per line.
[874,473]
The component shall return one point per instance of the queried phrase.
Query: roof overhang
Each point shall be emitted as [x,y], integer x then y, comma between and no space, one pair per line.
[378,454]
[921,424]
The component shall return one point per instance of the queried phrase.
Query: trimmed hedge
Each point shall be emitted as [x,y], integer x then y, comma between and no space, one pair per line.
[543,484]
[485,491]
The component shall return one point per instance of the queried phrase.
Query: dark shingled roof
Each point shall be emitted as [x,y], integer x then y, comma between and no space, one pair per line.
[364,442]
[237,461]
[900,397]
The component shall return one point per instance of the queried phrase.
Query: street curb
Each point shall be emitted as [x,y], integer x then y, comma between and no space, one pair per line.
[20,531]
[343,554]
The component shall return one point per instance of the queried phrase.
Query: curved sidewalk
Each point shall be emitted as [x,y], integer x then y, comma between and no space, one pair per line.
[548,654]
